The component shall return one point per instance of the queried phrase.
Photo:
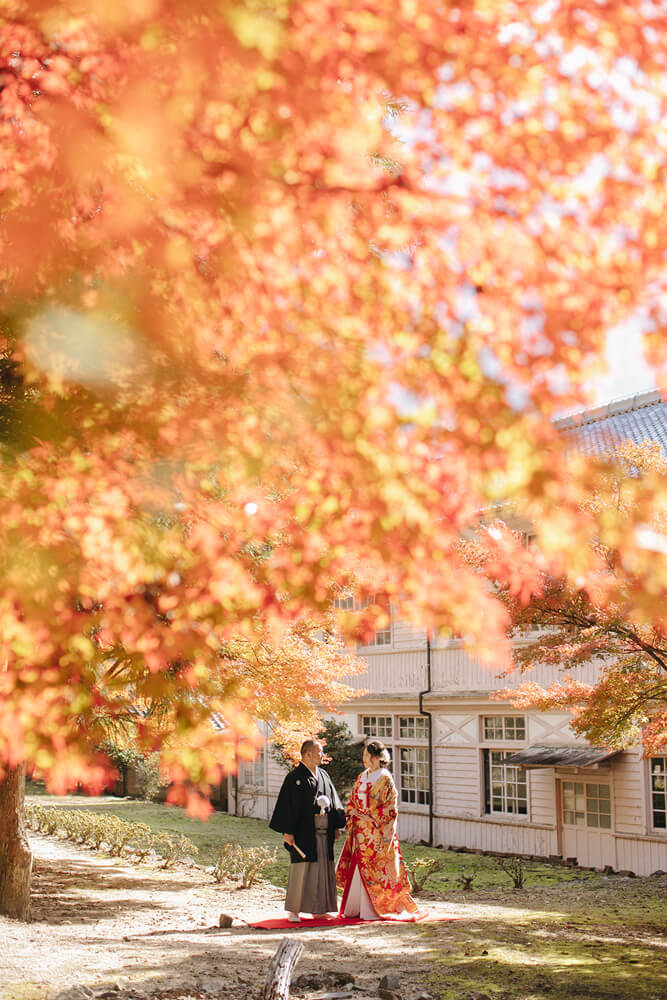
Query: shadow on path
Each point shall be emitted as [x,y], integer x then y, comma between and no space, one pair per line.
[73,891]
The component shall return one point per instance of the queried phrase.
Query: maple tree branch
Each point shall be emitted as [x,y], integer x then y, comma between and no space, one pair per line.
[652,651]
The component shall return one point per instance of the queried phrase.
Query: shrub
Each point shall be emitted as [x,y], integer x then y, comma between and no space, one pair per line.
[97,835]
[49,821]
[466,880]
[141,840]
[341,746]
[515,868]
[421,869]
[34,816]
[245,864]
[149,783]
[66,824]
[172,849]
[120,837]
[77,825]
[146,768]
[117,835]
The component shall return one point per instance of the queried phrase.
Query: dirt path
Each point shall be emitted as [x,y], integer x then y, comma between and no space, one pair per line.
[105,929]
[102,927]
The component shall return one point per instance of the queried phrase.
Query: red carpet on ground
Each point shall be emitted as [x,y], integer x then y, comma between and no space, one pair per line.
[283,923]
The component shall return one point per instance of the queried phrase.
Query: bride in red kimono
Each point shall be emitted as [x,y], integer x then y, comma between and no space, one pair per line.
[371,872]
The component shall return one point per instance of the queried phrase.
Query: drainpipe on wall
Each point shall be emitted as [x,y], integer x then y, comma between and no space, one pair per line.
[235,780]
[429,716]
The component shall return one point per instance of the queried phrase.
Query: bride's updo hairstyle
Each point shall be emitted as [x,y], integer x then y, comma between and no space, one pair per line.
[379,751]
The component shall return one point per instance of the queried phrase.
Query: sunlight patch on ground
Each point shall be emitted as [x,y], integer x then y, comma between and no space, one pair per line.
[516,956]
[484,912]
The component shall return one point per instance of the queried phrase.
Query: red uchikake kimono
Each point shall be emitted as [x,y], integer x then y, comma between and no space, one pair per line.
[381,865]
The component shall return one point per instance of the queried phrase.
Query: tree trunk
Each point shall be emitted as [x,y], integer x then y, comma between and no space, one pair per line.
[15,854]
[282,966]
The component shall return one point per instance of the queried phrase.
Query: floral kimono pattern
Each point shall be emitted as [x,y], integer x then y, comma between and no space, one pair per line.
[380,864]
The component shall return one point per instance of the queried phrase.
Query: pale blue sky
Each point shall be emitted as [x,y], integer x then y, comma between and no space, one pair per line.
[628,372]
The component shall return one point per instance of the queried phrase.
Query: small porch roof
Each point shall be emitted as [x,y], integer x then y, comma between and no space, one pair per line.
[559,756]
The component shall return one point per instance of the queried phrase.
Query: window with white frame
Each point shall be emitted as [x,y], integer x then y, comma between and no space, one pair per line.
[377,725]
[504,727]
[252,772]
[506,790]
[344,603]
[587,804]
[399,732]
[413,775]
[381,636]
[412,727]
[659,792]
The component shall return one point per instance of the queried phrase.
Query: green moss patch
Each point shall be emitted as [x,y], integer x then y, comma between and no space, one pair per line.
[600,941]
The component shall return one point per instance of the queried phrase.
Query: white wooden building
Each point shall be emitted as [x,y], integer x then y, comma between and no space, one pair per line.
[475,773]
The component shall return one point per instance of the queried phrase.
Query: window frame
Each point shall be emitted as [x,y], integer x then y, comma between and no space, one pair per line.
[653,792]
[378,735]
[586,812]
[414,736]
[504,738]
[519,779]
[420,772]
[395,744]
[254,768]
[345,602]
[388,632]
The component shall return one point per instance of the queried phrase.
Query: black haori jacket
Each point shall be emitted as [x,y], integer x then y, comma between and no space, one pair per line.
[296,807]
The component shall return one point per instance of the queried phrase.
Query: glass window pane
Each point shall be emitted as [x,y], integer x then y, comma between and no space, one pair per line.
[414,775]
[506,785]
[506,727]
[659,793]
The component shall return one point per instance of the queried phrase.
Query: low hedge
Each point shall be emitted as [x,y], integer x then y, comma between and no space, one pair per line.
[107,831]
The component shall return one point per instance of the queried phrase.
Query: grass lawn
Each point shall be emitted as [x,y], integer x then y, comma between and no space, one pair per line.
[220,828]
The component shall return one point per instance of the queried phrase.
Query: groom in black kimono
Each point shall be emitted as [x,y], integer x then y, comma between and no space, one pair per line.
[310,816]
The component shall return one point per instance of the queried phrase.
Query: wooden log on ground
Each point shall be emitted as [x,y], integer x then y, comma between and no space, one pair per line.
[282,967]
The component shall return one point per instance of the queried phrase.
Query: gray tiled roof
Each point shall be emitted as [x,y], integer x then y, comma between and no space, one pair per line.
[558,756]
[639,418]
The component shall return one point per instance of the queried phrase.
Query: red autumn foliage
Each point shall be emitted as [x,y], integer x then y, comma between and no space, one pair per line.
[295,290]
[601,623]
